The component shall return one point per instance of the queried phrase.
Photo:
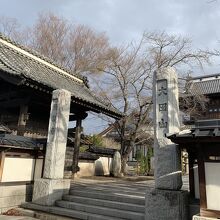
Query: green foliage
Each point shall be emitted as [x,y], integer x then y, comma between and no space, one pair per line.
[83,148]
[143,161]
[138,155]
[96,140]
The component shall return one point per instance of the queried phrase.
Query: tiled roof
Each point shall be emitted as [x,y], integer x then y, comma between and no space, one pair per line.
[205,87]
[101,150]
[202,131]
[4,128]
[24,63]
[14,141]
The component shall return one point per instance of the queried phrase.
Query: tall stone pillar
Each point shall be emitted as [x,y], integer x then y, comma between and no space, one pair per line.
[166,201]
[52,186]
[166,121]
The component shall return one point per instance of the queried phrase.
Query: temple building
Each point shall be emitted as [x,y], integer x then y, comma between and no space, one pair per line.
[27,80]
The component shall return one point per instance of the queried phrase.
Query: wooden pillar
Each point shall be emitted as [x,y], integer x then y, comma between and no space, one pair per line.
[2,160]
[22,120]
[191,174]
[75,166]
[202,182]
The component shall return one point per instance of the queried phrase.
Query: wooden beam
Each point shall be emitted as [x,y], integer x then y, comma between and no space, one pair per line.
[75,167]
[14,102]
[202,181]
[16,80]
[75,116]
[210,213]
[191,174]
[2,160]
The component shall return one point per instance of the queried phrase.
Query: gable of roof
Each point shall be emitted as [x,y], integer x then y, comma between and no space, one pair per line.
[29,65]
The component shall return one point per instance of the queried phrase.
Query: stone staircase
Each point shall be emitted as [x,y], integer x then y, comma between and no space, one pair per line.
[105,201]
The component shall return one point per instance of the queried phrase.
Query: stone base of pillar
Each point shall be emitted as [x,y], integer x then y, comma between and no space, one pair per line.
[47,191]
[166,205]
[197,217]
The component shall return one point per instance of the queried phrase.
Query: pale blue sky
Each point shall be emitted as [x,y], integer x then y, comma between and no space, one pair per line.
[125,20]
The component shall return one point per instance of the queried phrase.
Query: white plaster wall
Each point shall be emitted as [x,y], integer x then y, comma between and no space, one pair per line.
[100,167]
[212,177]
[86,169]
[18,169]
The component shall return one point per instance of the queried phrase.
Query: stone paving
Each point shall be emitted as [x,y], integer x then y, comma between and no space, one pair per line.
[130,183]
[4,217]
[121,186]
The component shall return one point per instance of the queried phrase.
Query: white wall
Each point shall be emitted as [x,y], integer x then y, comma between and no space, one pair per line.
[100,167]
[21,169]
[212,177]
[86,169]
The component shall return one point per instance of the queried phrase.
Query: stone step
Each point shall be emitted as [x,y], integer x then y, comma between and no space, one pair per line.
[111,190]
[109,212]
[105,203]
[68,212]
[112,196]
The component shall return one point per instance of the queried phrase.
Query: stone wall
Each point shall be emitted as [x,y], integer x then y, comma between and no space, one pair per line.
[12,196]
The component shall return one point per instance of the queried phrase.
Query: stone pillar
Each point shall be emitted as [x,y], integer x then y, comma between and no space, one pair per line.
[167,156]
[166,201]
[116,164]
[52,186]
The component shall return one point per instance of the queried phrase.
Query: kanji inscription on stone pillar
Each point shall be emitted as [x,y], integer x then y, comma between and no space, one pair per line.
[166,120]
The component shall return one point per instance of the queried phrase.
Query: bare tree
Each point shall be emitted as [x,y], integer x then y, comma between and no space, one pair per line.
[10,27]
[76,47]
[87,50]
[49,36]
[192,102]
[128,81]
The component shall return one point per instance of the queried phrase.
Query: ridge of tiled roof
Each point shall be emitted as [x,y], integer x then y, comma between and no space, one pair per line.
[20,64]
[39,55]
[202,77]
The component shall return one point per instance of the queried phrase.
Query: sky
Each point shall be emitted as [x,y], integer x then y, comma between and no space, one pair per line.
[126,20]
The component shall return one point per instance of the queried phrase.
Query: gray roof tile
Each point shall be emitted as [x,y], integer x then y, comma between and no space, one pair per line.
[205,87]
[16,63]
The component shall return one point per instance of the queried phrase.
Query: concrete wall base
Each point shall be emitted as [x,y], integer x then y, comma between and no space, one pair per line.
[12,196]
[166,205]
[47,191]
[197,217]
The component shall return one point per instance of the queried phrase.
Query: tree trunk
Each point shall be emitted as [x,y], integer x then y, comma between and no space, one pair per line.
[125,155]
